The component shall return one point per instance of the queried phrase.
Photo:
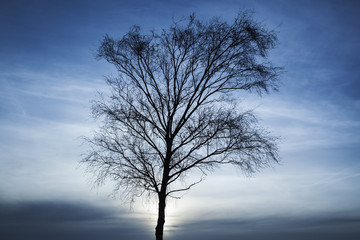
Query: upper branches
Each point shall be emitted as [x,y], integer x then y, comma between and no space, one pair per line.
[169,112]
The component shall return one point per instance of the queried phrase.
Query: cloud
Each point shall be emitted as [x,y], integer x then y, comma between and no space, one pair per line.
[305,124]
[42,115]
[67,220]
[332,227]
[78,220]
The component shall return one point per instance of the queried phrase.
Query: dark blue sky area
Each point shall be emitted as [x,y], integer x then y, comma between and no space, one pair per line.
[49,75]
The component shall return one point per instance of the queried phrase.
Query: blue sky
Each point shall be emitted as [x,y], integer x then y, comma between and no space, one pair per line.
[48,76]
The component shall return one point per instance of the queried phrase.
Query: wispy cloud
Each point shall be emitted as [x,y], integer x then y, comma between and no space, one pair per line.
[305,125]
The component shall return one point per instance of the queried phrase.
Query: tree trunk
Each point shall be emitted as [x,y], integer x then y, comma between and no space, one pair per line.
[159,230]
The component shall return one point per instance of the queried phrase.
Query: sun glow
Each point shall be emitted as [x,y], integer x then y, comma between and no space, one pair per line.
[173,218]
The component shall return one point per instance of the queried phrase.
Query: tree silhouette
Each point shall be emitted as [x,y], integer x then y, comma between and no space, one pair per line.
[171,111]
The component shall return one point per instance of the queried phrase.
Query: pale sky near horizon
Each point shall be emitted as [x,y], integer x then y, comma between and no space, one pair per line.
[48,76]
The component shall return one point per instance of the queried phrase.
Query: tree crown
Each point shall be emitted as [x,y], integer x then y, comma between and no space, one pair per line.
[170,110]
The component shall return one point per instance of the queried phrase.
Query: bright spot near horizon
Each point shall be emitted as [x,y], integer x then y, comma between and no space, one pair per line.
[148,209]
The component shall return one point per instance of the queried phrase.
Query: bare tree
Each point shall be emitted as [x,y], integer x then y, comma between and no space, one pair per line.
[170,111]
